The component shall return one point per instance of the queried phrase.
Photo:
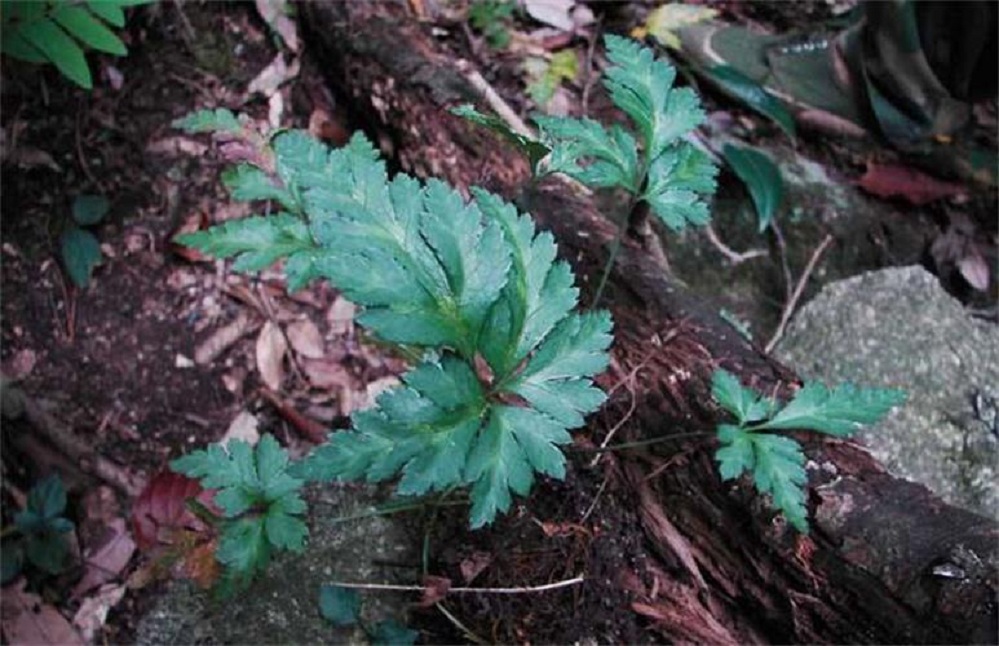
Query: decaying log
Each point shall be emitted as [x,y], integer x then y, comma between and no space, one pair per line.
[886,561]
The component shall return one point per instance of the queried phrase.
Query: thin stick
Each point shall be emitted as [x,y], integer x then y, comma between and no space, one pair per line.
[799,288]
[420,588]
[460,626]
[495,101]
[727,251]
[620,423]
[782,248]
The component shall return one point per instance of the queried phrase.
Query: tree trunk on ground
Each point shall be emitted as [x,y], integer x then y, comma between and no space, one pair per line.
[886,561]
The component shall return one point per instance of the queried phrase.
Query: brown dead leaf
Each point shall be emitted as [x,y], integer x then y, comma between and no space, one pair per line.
[473,566]
[974,270]
[324,373]
[26,620]
[341,316]
[435,589]
[106,559]
[277,73]
[305,339]
[175,146]
[375,388]
[99,508]
[93,612]
[244,427]
[220,341]
[20,365]
[909,184]
[271,348]
[201,566]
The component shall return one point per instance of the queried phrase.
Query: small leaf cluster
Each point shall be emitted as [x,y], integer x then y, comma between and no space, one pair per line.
[492,19]
[39,532]
[507,364]
[55,31]
[342,607]
[661,169]
[81,251]
[777,462]
[259,499]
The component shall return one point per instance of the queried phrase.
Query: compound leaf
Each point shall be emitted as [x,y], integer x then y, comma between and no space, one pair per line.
[109,10]
[243,547]
[780,471]
[736,454]
[61,50]
[840,411]
[532,148]
[640,85]
[248,183]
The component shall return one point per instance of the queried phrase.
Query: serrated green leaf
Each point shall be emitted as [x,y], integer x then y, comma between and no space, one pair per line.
[284,531]
[109,10]
[736,454]
[556,379]
[61,50]
[207,120]
[749,92]
[340,605]
[88,210]
[48,498]
[532,148]
[248,183]
[244,547]
[392,633]
[780,471]
[257,242]
[584,150]
[744,403]
[81,252]
[640,85]
[761,177]
[679,179]
[82,25]
[840,411]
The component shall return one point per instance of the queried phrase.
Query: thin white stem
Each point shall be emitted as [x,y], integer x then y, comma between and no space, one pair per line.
[495,101]
[798,289]
[420,588]
[727,251]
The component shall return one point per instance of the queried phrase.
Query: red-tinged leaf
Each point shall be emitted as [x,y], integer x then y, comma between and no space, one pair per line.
[160,511]
[975,270]
[201,566]
[435,589]
[909,184]
[106,560]
[25,619]
[195,221]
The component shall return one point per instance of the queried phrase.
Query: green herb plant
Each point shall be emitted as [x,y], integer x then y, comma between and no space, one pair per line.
[56,31]
[80,250]
[506,364]
[342,607]
[38,534]
[777,462]
[660,171]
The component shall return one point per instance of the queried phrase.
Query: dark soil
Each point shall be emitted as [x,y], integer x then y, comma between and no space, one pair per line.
[113,359]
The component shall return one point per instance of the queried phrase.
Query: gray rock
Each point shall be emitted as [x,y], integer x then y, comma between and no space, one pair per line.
[282,607]
[899,328]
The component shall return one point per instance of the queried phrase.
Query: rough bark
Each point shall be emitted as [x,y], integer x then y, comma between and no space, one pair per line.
[886,561]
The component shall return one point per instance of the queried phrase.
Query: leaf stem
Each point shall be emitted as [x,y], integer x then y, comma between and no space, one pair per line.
[641,443]
[420,588]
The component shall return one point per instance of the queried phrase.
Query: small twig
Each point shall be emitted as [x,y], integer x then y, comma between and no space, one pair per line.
[734,256]
[495,101]
[420,588]
[620,423]
[596,498]
[799,288]
[460,626]
[69,299]
[590,76]
[782,251]
[83,158]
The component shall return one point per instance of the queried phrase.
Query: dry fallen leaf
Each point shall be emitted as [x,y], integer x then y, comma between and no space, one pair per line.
[220,341]
[277,73]
[244,427]
[26,620]
[324,374]
[106,560]
[93,612]
[341,316]
[305,339]
[271,348]
[974,270]
[909,184]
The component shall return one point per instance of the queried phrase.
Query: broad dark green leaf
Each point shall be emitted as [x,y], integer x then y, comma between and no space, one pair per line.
[82,25]
[61,50]
[80,254]
[109,10]
[88,210]
[751,94]
[761,177]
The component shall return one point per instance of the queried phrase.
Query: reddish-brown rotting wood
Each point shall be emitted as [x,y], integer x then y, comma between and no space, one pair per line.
[886,561]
